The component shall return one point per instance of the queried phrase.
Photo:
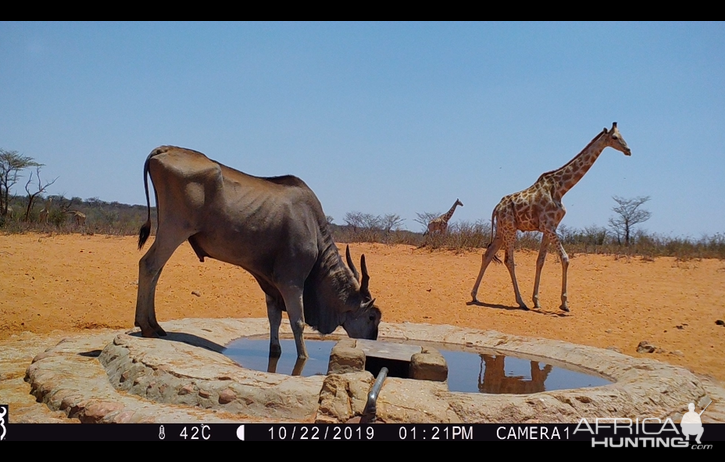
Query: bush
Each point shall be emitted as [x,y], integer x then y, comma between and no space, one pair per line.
[121,219]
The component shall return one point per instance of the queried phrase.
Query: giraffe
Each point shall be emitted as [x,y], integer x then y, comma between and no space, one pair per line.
[539,208]
[45,211]
[78,217]
[440,224]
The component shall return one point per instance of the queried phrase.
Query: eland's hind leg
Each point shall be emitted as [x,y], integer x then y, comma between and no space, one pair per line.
[149,270]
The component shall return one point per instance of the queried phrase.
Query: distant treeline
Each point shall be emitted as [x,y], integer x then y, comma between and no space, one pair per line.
[593,239]
[114,218]
[61,214]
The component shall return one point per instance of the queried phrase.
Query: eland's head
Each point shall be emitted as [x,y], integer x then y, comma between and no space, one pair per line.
[363,322]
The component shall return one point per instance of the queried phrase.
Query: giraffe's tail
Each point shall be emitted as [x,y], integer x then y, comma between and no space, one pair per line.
[494,222]
[495,258]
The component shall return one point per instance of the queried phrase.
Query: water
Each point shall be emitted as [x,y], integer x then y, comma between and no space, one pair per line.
[468,371]
[253,353]
[487,373]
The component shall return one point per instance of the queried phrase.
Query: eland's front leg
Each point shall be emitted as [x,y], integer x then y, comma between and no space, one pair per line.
[295,311]
[274,314]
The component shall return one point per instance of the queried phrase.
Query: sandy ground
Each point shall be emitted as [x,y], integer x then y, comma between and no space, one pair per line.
[74,283]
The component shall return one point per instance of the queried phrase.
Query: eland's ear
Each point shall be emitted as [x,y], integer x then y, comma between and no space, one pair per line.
[350,264]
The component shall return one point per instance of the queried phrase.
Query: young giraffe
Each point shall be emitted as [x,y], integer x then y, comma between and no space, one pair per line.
[440,224]
[78,217]
[45,211]
[539,208]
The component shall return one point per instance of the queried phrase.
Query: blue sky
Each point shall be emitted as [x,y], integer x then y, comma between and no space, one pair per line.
[381,118]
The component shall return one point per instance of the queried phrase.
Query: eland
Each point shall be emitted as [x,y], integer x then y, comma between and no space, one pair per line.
[272,227]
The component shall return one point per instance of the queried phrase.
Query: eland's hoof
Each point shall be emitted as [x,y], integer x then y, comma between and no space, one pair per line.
[148,332]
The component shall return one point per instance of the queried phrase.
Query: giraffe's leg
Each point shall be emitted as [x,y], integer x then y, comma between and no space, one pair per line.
[539,265]
[509,261]
[485,260]
[564,270]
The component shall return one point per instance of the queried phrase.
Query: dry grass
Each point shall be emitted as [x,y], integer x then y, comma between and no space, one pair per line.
[124,220]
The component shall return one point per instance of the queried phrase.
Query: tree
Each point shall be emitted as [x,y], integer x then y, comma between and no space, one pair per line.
[354,219]
[628,215]
[11,164]
[425,218]
[362,220]
[32,195]
[391,222]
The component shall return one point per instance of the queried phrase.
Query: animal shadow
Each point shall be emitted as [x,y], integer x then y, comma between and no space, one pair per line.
[91,353]
[495,305]
[559,314]
[189,339]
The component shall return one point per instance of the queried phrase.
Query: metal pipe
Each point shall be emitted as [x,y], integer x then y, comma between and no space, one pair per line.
[368,414]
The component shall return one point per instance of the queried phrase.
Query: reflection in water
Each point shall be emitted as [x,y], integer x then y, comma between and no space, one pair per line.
[253,353]
[492,377]
[296,370]
[467,372]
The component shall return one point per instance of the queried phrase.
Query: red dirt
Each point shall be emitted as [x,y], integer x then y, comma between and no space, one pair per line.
[74,283]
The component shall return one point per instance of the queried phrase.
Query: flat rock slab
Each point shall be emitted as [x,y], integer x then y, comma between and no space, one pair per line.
[388,350]
[116,376]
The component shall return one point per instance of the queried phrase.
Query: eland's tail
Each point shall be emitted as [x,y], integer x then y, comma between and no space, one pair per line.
[145,230]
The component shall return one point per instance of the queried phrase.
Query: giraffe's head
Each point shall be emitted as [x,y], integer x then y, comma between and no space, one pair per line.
[458,202]
[615,140]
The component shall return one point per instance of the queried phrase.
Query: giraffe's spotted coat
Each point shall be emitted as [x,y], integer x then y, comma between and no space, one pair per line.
[539,208]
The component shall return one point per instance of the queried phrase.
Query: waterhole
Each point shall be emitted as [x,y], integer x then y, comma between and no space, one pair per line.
[468,371]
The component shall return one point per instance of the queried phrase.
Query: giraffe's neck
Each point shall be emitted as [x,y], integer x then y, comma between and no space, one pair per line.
[449,213]
[567,176]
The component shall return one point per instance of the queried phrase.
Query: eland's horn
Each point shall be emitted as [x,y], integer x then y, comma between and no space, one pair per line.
[350,264]
[364,289]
